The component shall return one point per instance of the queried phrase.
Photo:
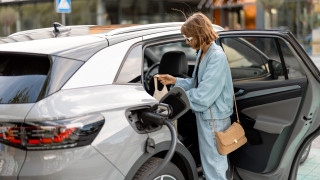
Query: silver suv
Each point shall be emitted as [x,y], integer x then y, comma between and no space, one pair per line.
[78,105]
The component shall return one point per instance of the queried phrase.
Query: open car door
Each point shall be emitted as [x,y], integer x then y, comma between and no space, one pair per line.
[274,89]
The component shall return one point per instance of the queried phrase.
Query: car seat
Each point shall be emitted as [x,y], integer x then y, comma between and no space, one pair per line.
[173,63]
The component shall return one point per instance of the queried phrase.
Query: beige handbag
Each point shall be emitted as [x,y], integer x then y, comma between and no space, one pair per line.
[159,94]
[232,138]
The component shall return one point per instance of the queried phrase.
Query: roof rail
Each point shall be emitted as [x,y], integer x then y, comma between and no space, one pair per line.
[150,26]
[218,27]
[142,27]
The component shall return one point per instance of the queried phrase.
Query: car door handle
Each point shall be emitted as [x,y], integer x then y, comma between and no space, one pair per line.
[306,119]
[239,92]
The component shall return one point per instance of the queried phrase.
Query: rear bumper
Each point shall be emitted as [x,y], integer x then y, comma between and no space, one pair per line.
[74,163]
[11,161]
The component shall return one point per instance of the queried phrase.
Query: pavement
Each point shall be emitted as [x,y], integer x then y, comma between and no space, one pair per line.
[310,169]
[316,60]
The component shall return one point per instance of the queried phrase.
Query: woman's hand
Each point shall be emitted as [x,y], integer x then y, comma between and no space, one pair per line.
[166,79]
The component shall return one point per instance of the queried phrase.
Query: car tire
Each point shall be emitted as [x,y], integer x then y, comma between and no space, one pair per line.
[169,172]
[305,154]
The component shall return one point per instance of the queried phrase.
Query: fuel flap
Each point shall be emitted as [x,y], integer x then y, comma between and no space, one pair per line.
[178,101]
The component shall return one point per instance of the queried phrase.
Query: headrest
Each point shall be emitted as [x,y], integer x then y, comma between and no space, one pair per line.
[174,63]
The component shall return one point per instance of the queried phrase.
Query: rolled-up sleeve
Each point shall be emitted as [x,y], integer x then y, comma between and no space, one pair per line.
[211,85]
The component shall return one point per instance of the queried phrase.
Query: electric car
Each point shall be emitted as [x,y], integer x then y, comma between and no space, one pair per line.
[77,103]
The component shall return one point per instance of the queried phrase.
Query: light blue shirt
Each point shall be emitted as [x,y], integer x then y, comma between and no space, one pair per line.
[215,87]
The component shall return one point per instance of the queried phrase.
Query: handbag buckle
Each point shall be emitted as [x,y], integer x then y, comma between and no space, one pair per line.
[235,141]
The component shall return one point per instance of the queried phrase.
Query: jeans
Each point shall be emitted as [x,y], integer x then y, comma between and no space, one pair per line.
[214,165]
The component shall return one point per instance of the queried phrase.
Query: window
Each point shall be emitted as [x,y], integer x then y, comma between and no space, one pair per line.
[131,69]
[293,66]
[261,58]
[159,50]
[245,59]
[22,78]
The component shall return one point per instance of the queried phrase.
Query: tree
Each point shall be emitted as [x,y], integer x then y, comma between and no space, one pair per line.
[8,16]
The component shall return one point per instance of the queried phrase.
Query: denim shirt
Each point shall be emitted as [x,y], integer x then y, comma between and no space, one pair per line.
[215,87]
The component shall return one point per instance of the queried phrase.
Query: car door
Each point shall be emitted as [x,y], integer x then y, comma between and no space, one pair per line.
[273,89]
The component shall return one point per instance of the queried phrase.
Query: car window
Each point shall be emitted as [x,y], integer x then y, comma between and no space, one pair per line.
[159,50]
[22,78]
[261,58]
[293,66]
[131,69]
[245,59]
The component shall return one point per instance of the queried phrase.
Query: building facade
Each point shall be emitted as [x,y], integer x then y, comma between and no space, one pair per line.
[302,17]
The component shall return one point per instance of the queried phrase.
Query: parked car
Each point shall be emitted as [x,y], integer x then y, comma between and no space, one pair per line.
[80,105]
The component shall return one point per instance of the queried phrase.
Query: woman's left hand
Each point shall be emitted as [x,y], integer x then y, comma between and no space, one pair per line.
[166,79]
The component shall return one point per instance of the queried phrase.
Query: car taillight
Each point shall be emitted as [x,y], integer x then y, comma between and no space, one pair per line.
[54,134]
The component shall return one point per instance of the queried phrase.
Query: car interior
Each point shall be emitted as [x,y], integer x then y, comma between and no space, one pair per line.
[257,65]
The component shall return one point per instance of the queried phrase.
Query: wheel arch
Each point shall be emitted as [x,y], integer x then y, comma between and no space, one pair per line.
[182,159]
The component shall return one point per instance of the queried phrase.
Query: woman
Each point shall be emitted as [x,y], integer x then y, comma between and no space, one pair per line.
[210,86]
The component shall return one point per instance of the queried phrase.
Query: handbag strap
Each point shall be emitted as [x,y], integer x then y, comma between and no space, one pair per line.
[234,99]
[155,80]
[212,120]
[235,103]
[234,96]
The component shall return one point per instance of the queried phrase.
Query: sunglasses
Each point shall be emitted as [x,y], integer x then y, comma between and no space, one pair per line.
[188,39]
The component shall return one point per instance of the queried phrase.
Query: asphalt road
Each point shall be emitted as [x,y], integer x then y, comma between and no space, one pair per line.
[316,143]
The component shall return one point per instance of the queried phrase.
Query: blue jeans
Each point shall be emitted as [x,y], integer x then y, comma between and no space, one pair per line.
[214,165]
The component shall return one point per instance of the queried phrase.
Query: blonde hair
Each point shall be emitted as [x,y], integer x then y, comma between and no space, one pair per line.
[200,27]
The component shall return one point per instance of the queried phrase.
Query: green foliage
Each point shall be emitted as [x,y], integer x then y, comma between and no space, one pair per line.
[8,18]
[42,15]
[21,97]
